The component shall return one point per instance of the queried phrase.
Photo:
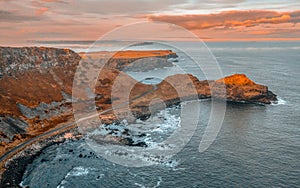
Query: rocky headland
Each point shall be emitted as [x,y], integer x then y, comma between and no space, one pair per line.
[135,61]
[36,86]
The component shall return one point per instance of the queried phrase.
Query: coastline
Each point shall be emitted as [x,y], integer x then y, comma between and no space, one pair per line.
[239,88]
[16,166]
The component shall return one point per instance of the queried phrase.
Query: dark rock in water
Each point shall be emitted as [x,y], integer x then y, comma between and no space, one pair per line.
[44,160]
[131,142]
[118,134]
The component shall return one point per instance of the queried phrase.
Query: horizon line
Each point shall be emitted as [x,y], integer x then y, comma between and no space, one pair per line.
[63,41]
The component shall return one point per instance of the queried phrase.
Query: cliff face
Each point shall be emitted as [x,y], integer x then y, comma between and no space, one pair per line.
[16,60]
[36,89]
[34,75]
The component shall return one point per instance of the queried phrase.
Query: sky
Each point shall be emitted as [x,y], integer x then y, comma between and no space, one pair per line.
[23,21]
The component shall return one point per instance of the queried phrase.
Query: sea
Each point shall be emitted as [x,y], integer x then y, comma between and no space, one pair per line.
[255,146]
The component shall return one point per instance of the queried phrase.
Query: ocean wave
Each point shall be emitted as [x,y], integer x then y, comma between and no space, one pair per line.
[79,171]
[144,186]
[76,172]
[169,123]
[153,132]
[128,157]
[279,102]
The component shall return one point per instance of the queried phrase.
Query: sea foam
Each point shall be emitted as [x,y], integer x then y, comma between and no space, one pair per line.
[279,102]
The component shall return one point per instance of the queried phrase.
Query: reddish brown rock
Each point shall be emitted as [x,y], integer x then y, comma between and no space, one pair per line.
[182,87]
[239,88]
[36,85]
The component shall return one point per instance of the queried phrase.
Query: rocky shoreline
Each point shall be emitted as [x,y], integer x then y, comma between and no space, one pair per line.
[15,167]
[43,99]
[36,87]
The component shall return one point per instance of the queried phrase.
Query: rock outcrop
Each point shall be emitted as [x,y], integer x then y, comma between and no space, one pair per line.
[239,88]
[177,88]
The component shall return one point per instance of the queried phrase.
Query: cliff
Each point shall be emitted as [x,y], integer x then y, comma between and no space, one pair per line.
[136,61]
[16,60]
[36,88]
[181,87]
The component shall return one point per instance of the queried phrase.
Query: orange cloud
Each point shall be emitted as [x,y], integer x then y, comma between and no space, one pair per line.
[41,11]
[260,32]
[55,1]
[49,1]
[229,19]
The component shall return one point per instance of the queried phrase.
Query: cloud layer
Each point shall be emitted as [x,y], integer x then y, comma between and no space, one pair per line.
[23,20]
[229,19]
